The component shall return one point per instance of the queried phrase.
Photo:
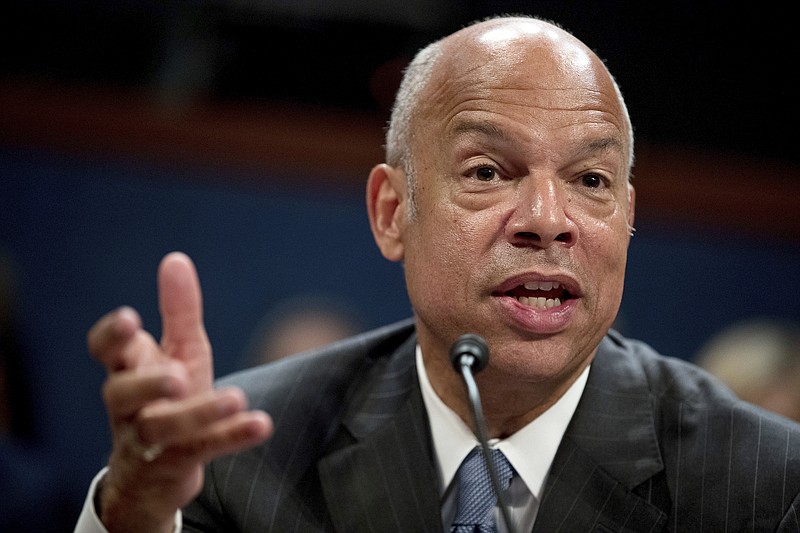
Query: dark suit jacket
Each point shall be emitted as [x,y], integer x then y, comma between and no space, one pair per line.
[655,445]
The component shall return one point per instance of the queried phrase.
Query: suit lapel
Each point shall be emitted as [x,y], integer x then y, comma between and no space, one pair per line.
[609,449]
[385,481]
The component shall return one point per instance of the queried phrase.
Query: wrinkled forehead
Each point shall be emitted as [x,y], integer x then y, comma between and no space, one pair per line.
[525,67]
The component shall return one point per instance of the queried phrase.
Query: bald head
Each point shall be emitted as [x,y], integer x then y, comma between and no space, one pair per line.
[503,52]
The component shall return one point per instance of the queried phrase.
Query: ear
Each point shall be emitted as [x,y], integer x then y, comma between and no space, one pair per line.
[386,207]
[631,205]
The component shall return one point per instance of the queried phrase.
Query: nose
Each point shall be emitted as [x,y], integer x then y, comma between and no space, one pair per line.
[539,217]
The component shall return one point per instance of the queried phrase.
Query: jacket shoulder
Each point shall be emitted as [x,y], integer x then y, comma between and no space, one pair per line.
[666,377]
[722,460]
[316,372]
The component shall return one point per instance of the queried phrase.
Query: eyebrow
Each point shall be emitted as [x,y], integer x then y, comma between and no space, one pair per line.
[490,130]
[603,144]
[486,128]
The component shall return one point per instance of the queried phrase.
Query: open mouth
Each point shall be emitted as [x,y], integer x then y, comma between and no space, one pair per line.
[540,294]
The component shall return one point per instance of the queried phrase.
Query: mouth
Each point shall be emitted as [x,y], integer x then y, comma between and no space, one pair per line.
[539,294]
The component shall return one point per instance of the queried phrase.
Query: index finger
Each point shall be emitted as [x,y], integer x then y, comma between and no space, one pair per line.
[180,302]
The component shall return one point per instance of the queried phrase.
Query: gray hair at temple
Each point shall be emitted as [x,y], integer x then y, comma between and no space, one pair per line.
[417,75]
[399,135]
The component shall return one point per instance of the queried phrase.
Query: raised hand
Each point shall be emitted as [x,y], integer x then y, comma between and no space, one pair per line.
[167,420]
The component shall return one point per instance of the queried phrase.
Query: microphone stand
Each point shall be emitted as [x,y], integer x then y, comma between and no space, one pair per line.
[468,351]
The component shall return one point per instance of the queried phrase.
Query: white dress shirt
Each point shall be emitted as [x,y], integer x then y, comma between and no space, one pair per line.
[530,450]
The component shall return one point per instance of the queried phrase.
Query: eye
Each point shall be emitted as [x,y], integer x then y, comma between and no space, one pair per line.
[593,181]
[485,173]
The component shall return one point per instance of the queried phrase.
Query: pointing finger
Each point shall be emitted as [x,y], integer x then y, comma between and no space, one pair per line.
[180,301]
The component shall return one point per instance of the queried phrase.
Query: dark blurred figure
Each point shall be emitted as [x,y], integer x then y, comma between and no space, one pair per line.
[31,496]
[759,359]
[300,323]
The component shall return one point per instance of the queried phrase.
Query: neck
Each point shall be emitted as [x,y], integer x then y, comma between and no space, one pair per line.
[508,403]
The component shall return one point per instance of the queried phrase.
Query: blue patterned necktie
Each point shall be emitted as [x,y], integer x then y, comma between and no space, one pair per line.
[476,498]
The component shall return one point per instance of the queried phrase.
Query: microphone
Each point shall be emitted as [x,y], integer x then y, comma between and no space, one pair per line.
[471,354]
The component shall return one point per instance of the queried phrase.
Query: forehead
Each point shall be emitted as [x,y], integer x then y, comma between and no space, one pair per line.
[530,71]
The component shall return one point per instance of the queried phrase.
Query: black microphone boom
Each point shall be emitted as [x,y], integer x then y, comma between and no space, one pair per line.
[470,353]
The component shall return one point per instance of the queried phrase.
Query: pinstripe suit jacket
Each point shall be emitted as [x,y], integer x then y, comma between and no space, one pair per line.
[655,445]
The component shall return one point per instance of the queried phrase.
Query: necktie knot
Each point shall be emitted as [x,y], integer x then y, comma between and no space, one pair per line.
[476,497]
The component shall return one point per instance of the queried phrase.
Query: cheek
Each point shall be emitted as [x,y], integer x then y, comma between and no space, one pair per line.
[454,233]
[442,257]
[602,230]
[604,252]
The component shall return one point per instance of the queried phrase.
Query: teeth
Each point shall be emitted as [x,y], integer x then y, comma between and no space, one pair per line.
[540,302]
[541,285]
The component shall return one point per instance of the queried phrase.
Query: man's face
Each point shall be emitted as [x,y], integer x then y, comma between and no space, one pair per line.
[523,209]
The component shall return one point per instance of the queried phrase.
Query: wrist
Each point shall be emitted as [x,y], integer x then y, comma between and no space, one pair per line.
[121,513]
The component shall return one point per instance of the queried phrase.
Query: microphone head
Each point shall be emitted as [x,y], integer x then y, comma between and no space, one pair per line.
[470,344]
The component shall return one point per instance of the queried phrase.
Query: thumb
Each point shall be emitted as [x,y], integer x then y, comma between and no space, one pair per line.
[181,304]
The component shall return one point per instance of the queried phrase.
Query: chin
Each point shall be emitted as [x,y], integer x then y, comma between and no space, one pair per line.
[535,364]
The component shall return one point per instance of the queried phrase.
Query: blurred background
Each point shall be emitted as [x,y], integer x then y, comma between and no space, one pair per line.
[242,132]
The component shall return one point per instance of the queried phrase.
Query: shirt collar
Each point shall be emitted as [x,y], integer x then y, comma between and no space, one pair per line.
[453,439]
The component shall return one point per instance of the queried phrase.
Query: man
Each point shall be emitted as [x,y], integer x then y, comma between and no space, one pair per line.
[506,195]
